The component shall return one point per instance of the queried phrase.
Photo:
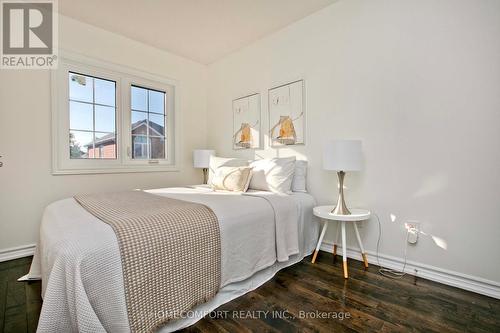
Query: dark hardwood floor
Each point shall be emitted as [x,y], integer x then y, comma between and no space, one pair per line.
[20,302]
[305,298]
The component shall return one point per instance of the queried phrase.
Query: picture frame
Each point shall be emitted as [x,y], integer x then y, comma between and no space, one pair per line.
[286,114]
[247,124]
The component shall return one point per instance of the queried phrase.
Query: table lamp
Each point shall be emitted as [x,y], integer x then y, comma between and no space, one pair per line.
[342,156]
[201,160]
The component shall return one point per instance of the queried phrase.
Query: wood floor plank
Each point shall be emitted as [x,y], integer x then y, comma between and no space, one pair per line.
[5,265]
[3,296]
[15,319]
[33,305]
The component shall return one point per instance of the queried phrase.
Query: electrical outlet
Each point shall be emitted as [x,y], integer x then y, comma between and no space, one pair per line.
[413,229]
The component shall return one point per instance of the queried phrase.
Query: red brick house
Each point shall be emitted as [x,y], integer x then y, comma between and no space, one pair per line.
[105,147]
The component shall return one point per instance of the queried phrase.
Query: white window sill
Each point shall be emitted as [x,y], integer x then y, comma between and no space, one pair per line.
[116,170]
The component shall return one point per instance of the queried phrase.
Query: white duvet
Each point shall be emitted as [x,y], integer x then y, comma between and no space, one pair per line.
[78,258]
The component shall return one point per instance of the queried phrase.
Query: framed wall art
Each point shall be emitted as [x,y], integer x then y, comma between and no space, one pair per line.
[287,114]
[246,122]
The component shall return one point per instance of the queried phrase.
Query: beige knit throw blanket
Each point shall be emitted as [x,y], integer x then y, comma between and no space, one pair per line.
[170,253]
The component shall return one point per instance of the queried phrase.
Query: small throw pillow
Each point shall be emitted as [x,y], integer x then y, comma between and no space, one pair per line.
[273,174]
[216,162]
[299,176]
[232,178]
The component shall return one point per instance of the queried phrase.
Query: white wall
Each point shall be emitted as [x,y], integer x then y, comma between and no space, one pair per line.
[26,183]
[419,83]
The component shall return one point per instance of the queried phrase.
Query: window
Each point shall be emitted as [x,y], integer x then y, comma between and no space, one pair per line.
[111,119]
[92,114]
[147,123]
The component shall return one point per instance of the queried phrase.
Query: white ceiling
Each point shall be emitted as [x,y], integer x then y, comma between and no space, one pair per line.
[201,30]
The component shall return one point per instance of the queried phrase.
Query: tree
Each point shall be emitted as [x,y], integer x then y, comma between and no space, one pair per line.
[75,150]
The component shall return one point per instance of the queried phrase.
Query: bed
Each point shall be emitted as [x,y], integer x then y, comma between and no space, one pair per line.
[78,256]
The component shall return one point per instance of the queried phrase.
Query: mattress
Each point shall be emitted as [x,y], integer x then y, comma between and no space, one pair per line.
[79,263]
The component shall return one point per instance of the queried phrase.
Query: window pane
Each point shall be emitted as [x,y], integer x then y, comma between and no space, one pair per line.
[156,101]
[105,92]
[92,127]
[81,116]
[80,87]
[157,147]
[139,98]
[148,123]
[156,124]
[140,147]
[78,144]
[139,122]
[104,118]
[105,145]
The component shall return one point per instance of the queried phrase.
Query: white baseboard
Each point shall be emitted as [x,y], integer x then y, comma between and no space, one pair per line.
[451,278]
[17,252]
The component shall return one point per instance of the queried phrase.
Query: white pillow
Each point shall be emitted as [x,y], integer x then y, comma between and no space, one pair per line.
[299,176]
[216,162]
[273,174]
[232,178]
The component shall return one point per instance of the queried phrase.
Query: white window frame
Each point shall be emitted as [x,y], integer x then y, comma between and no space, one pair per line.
[124,78]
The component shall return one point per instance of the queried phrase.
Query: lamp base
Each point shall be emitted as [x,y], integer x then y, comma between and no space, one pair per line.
[205,175]
[341,207]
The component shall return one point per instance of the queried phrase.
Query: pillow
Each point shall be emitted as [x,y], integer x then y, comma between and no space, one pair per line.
[232,178]
[299,176]
[273,174]
[216,162]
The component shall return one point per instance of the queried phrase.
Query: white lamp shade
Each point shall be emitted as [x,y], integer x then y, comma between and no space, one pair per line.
[343,155]
[201,158]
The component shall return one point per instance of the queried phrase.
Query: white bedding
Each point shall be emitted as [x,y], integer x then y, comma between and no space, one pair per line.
[78,257]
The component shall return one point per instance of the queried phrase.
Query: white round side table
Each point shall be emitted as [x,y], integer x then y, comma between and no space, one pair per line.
[325,213]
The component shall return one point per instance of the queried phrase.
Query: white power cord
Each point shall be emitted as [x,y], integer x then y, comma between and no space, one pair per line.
[390,273]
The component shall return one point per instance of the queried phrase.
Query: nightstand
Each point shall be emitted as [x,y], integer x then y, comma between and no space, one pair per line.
[324,212]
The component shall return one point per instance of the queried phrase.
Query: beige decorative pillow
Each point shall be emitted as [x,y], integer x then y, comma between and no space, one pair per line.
[231,178]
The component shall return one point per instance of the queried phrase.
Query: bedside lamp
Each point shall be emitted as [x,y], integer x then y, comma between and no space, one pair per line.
[342,156]
[201,160]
